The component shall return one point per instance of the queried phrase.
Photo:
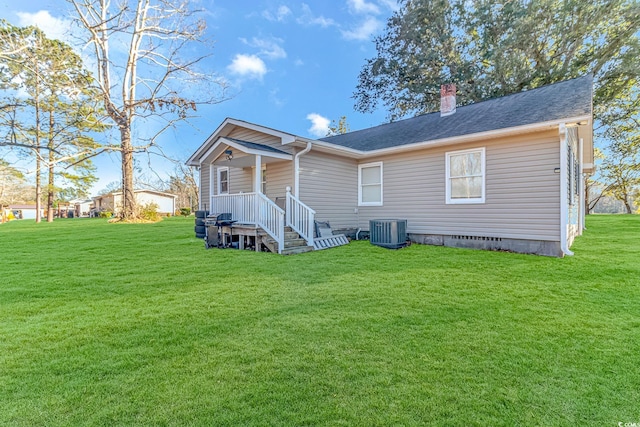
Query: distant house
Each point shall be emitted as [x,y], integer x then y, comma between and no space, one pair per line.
[502,174]
[25,211]
[112,202]
[81,208]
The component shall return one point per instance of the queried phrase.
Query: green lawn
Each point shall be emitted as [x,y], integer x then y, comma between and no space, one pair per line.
[132,324]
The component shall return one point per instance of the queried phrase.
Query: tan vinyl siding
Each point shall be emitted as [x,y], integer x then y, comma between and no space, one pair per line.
[240,180]
[279,177]
[329,185]
[522,191]
[259,138]
[204,186]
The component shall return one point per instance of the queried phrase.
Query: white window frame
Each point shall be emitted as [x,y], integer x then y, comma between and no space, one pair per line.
[219,186]
[448,177]
[360,168]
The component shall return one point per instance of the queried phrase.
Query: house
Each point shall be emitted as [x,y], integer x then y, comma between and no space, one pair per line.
[26,211]
[112,202]
[81,208]
[502,174]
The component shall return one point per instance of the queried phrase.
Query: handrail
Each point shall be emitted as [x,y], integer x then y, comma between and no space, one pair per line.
[300,217]
[242,206]
[253,208]
[271,219]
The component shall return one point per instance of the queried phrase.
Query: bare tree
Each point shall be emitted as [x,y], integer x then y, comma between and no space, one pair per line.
[183,182]
[137,46]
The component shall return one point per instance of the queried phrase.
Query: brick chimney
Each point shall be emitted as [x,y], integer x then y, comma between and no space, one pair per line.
[447,99]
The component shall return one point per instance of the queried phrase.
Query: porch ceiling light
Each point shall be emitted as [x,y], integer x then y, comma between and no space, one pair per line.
[229,154]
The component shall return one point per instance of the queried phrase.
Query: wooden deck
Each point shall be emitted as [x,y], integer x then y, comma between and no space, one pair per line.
[250,236]
[246,235]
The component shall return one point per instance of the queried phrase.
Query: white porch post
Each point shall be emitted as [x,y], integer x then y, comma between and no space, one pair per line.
[287,210]
[257,176]
[257,180]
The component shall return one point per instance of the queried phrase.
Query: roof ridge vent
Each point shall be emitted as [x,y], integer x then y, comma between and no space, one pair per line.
[447,99]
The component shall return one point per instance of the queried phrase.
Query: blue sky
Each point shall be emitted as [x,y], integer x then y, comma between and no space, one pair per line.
[292,66]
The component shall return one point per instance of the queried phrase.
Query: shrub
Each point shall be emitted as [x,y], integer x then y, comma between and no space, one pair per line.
[106,214]
[149,212]
[185,211]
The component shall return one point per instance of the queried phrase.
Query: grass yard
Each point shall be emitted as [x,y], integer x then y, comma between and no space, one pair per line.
[116,324]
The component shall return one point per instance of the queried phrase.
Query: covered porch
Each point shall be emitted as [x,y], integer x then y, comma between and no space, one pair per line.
[253,182]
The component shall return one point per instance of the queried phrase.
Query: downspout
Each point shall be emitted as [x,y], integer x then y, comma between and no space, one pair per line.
[296,168]
[564,195]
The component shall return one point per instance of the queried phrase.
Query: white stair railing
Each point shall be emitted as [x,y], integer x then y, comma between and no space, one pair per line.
[252,208]
[300,217]
[271,218]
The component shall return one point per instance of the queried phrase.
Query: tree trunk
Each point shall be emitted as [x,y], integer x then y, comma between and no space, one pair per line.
[38,162]
[50,192]
[50,188]
[38,186]
[587,209]
[128,196]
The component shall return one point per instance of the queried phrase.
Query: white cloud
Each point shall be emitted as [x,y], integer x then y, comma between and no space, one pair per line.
[275,99]
[308,18]
[279,16]
[361,6]
[283,12]
[268,48]
[392,5]
[319,125]
[249,66]
[364,31]
[54,28]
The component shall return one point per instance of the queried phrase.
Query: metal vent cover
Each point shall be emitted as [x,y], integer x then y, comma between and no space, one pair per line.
[388,233]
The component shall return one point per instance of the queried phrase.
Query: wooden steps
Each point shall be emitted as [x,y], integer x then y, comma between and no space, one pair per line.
[293,243]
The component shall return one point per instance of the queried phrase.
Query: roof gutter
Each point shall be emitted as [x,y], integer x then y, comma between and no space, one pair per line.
[360,154]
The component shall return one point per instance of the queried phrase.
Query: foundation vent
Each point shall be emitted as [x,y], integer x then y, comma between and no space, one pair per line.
[479,238]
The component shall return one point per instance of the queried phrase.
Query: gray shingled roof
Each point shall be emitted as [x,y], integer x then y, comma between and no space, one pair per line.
[254,146]
[571,98]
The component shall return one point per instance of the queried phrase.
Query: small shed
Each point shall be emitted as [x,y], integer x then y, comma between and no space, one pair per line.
[26,211]
[113,201]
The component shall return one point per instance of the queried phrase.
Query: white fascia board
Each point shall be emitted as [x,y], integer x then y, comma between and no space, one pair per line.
[338,149]
[257,152]
[477,136]
[359,154]
[196,158]
[224,129]
[158,193]
[285,138]
[209,151]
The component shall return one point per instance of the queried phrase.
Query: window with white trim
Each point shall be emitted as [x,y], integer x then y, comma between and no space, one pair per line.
[223,180]
[465,171]
[370,184]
